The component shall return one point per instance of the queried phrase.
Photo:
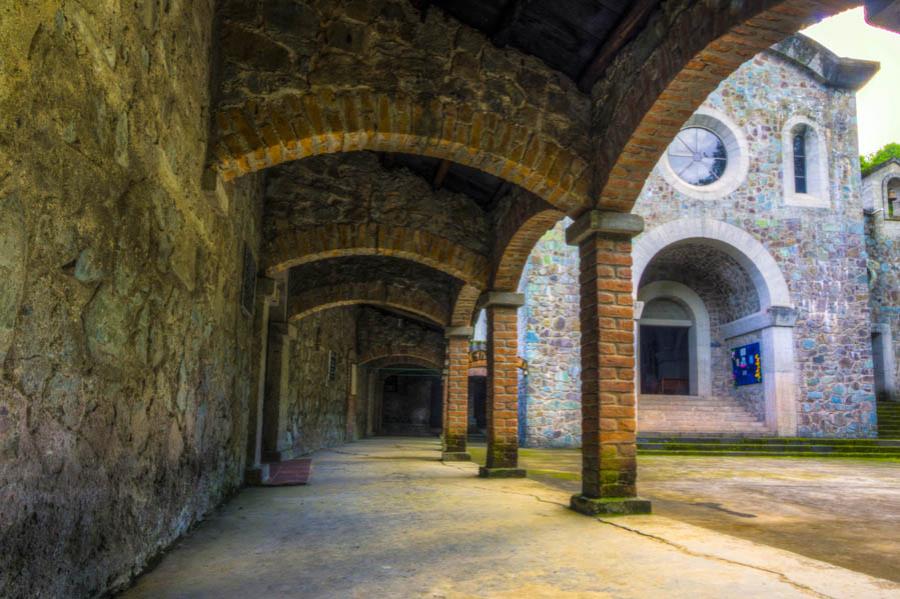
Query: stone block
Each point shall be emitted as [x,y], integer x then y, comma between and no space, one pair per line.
[485,472]
[612,506]
[455,456]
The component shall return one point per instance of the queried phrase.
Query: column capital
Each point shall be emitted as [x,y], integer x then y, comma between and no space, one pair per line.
[465,332]
[600,222]
[501,298]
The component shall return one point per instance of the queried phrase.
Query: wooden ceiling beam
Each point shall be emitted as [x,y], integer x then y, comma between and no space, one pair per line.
[509,14]
[624,31]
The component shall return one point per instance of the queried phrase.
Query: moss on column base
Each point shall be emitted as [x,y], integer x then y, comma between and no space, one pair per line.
[455,456]
[485,472]
[593,506]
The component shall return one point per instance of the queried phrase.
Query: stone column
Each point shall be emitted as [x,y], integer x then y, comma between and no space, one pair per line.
[608,418]
[266,295]
[502,386]
[456,394]
[779,383]
[277,371]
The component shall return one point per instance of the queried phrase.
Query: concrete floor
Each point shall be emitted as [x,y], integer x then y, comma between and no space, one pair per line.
[842,511]
[385,518]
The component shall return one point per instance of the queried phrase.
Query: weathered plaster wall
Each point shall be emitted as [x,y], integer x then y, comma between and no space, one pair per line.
[315,406]
[123,350]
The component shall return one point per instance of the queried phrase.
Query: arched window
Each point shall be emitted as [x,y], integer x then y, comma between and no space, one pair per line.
[805,168]
[800,159]
[892,199]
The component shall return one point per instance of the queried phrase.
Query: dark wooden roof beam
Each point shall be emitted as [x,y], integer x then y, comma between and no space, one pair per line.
[624,31]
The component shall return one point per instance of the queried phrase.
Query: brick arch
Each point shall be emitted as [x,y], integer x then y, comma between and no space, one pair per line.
[402,359]
[295,247]
[380,361]
[375,293]
[514,254]
[263,133]
[640,115]
[463,314]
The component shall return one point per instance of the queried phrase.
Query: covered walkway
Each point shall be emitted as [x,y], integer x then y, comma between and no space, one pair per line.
[385,518]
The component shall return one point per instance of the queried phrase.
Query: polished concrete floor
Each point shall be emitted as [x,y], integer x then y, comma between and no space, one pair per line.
[385,518]
[842,511]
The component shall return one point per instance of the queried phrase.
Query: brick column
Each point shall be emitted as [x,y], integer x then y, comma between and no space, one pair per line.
[456,394]
[609,462]
[502,386]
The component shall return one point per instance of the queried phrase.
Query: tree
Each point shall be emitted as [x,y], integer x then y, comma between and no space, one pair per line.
[891,150]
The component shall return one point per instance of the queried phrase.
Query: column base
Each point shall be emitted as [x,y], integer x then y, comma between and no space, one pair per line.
[485,472]
[255,477]
[611,506]
[455,456]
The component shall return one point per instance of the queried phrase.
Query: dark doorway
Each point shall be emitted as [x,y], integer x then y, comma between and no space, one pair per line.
[477,404]
[411,405]
[665,360]
[878,365]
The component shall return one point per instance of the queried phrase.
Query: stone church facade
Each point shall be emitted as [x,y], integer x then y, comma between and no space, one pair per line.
[759,243]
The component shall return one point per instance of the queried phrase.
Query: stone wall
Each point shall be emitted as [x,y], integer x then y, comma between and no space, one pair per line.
[382,335]
[355,189]
[551,344]
[123,351]
[820,251]
[883,246]
[316,406]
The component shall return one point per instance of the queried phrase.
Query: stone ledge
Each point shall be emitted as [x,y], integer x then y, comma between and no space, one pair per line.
[455,456]
[485,472]
[612,506]
[612,224]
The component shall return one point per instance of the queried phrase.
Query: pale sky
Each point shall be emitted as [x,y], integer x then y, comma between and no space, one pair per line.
[878,103]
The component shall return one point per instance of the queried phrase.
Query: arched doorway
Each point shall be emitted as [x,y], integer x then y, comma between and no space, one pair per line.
[715,335]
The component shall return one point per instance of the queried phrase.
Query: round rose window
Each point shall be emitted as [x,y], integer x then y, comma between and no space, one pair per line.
[698,156]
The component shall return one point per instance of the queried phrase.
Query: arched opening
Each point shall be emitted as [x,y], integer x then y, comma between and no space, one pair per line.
[411,400]
[715,342]
[805,169]
[892,199]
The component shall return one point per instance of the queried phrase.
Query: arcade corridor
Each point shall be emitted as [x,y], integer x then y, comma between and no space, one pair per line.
[384,518]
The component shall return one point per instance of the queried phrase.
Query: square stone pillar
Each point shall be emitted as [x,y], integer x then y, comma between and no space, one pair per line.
[267,293]
[608,417]
[456,394]
[502,386]
[277,374]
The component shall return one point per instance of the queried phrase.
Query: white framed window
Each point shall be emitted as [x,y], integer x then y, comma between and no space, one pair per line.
[804,164]
[708,159]
[892,198]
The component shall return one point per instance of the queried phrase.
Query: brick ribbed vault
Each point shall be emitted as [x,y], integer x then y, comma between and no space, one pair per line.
[264,133]
[658,84]
[295,247]
[520,228]
[425,361]
[375,293]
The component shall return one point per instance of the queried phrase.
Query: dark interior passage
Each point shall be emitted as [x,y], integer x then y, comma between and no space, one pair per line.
[477,403]
[411,403]
[665,357]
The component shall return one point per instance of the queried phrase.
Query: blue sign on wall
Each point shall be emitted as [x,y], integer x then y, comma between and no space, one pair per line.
[746,367]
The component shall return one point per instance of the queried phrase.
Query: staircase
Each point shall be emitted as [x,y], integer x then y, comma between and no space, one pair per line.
[888,413]
[770,447]
[697,416]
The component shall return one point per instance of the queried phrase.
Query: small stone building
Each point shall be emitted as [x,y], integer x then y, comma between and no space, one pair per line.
[881,203]
[752,301]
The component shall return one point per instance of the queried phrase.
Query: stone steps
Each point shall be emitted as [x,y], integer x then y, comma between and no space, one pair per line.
[888,414]
[696,414]
[769,447]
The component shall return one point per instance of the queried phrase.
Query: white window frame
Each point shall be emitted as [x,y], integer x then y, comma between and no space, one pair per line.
[818,185]
[735,145]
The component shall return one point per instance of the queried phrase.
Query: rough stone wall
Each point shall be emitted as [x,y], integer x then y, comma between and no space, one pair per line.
[355,189]
[123,352]
[383,335]
[883,246]
[281,46]
[821,252]
[316,406]
[551,344]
